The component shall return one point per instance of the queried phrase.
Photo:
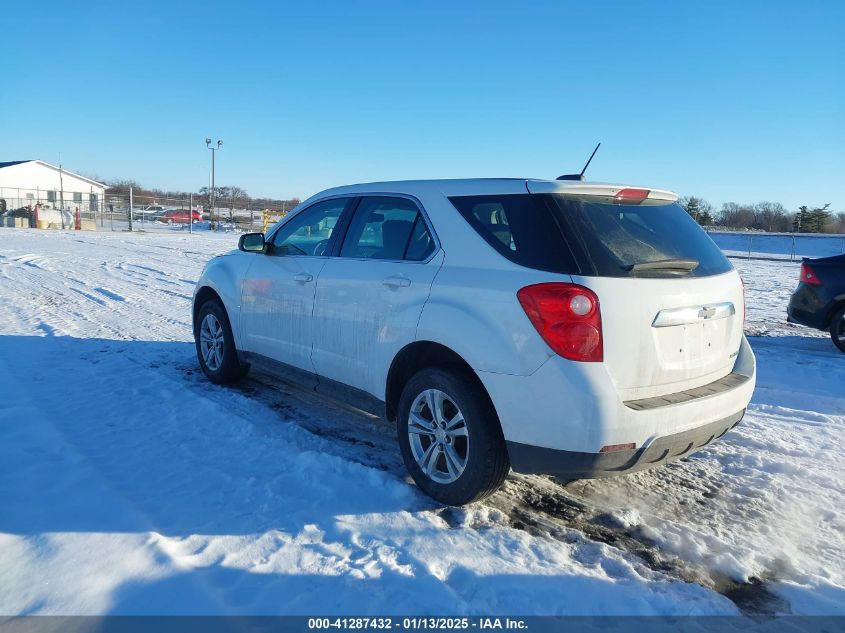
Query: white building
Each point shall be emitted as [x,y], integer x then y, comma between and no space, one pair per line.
[29,182]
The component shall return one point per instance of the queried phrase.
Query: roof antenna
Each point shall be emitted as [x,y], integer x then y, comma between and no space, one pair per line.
[581,175]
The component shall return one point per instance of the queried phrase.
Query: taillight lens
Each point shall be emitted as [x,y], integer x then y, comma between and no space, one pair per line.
[568,317]
[808,275]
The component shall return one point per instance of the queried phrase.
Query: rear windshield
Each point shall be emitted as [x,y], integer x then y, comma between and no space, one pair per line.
[593,236]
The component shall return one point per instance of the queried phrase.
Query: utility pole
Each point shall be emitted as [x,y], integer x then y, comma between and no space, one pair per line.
[61,196]
[213,152]
[131,204]
[191,214]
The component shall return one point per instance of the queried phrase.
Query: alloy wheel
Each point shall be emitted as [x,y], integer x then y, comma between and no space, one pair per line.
[439,436]
[212,342]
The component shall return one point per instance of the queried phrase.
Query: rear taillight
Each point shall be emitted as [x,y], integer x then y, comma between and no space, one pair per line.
[744,309]
[809,276]
[631,196]
[568,318]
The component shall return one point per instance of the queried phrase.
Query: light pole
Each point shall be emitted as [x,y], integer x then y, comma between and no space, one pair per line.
[213,152]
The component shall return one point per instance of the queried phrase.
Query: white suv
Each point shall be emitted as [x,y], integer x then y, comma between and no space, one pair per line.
[560,327]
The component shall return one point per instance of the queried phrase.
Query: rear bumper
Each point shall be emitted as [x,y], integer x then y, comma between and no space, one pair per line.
[809,305]
[558,419]
[802,317]
[575,465]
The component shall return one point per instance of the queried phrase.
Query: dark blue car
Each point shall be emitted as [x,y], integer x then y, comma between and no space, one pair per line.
[819,299]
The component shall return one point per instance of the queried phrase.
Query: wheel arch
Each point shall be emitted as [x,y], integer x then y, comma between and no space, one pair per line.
[422,355]
[204,294]
[836,305]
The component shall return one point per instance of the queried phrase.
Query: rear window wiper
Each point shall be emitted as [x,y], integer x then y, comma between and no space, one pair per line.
[684,265]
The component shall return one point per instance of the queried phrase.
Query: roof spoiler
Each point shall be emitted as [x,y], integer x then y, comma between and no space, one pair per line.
[603,190]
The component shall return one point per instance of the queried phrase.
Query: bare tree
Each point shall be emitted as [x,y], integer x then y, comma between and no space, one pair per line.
[838,222]
[771,216]
[237,197]
[736,216]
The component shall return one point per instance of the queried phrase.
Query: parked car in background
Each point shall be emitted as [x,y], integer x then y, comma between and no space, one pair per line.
[180,216]
[560,327]
[151,212]
[819,300]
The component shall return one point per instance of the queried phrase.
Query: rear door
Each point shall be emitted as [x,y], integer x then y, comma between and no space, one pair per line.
[370,295]
[278,290]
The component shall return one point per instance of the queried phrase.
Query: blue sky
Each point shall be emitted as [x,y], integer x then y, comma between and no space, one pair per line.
[732,101]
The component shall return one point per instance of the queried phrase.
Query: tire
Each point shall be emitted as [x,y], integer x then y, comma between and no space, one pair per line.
[474,450]
[837,328]
[214,341]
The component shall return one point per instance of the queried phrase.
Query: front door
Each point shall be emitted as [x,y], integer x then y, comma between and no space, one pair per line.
[278,291]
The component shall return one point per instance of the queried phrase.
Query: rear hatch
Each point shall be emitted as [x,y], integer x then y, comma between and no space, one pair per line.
[664,336]
[671,303]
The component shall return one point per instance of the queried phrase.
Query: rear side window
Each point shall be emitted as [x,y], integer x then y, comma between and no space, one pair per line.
[520,227]
[618,237]
[387,228]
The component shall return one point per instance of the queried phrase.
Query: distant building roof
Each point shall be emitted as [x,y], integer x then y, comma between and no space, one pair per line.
[14,162]
[70,173]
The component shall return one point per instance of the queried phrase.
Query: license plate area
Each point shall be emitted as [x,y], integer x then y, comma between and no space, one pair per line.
[696,346]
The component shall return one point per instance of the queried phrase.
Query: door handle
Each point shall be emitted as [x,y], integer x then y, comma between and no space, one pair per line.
[303,277]
[396,282]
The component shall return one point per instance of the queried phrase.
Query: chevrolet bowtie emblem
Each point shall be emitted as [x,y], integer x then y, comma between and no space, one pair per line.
[706,312]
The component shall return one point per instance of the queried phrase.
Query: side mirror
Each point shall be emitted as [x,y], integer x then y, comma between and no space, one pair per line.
[251,242]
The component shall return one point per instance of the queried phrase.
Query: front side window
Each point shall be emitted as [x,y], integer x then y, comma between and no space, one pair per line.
[388,228]
[309,232]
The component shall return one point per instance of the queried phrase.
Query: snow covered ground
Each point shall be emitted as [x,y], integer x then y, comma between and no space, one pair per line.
[129,484]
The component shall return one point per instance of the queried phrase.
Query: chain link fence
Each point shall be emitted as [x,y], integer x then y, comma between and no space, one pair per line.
[785,246]
[32,208]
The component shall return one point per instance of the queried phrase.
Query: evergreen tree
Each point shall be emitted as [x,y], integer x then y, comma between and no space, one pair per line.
[813,220]
[821,218]
[699,209]
[802,222]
